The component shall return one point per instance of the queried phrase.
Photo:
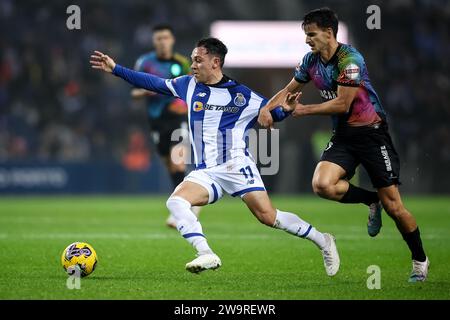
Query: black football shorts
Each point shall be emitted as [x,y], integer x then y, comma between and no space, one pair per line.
[161,133]
[370,147]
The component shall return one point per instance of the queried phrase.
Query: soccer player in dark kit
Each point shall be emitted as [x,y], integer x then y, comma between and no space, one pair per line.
[360,131]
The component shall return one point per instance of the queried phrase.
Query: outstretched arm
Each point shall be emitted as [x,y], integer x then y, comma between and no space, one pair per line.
[340,104]
[143,80]
[102,61]
[137,93]
[265,118]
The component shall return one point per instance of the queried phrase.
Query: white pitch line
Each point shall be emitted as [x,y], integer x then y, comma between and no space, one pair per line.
[164,236]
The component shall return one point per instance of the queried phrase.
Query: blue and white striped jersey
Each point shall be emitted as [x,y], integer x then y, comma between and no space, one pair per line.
[219,115]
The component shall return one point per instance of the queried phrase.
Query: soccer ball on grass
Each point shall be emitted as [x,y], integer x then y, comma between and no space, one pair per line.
[79,257]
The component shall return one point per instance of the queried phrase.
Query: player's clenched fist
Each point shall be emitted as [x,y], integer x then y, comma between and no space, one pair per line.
[102,61]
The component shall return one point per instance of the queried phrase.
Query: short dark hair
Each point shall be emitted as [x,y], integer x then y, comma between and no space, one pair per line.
[215,47]
[161,27]
[323,17]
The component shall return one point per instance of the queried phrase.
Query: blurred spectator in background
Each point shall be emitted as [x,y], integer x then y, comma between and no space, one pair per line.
[137,155]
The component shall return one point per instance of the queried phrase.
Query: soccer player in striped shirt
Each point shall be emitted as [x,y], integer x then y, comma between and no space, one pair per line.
[220,113]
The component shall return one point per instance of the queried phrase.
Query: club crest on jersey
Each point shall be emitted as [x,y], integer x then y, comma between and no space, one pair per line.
[240,100]
[352,71]
[198,106]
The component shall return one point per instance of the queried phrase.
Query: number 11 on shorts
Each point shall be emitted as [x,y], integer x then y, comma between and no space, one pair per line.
[243,170]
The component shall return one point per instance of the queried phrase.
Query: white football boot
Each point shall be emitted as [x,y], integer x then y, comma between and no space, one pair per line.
[209,261]
[419,271]
[330,255]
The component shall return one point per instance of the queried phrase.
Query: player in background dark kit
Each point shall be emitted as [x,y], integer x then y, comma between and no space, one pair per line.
[165,114]
[360,131]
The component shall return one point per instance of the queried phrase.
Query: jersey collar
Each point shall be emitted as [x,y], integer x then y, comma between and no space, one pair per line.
[334,57]
[224,82]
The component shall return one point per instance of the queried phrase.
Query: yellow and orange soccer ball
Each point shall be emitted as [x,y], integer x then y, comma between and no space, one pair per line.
[79,257]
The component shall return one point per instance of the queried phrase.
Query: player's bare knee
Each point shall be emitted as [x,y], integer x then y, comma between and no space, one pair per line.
[323,189]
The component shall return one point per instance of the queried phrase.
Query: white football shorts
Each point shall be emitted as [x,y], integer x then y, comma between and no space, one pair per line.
[237,177]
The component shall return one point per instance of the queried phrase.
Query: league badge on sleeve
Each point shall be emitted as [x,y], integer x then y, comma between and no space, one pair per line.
[351,71]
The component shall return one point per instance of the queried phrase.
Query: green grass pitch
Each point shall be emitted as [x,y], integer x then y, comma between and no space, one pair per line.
[140,258]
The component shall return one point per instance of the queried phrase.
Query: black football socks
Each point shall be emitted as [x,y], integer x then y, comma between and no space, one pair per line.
[359,195]
[415,245]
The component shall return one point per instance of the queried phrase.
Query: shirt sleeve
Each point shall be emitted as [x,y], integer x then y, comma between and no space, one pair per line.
[278,114]
[301,73]
[179,86]
[143,80]
[350,68]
